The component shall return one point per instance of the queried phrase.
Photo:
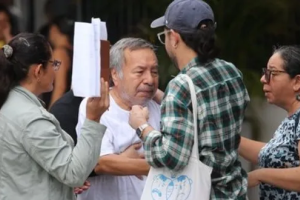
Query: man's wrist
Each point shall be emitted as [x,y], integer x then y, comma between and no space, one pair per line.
[146,132]
[141,128]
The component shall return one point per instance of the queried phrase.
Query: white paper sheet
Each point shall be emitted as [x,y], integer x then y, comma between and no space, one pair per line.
[86,71]
[97,49]
[103,32]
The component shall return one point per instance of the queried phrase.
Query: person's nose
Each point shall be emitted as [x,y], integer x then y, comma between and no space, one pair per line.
[263,79]
[149,79]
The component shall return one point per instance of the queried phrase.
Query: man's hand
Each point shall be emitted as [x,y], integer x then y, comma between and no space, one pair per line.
[132,151]
[79,190]
[96,106]
[158,97]
[138,116]
[253,178]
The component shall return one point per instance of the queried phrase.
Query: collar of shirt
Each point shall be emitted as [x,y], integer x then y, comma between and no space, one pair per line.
[29,95]
[194,62]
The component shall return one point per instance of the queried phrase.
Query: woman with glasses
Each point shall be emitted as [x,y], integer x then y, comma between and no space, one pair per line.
[279,174]
[38,159]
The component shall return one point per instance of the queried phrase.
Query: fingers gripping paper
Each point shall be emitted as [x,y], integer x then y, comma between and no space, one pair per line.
[90,58]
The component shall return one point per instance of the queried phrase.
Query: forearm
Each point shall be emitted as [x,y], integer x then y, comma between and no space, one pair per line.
[249,149]
[160,151]
[172,147]
[288,178]
[67,165]
[121,166]
[87,148]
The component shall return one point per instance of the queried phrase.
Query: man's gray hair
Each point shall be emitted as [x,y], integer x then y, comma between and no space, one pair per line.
[117,51]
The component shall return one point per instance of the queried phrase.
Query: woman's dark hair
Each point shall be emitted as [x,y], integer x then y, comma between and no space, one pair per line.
[291,59]
[65,25]
[202,41]
[28,49]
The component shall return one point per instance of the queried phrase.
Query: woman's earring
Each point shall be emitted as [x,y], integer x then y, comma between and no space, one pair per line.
[298,97]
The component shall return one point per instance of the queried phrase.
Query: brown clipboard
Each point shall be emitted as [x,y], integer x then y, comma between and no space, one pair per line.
[104,51]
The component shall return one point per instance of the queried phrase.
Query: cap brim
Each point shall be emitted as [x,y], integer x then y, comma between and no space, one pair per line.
[158,22]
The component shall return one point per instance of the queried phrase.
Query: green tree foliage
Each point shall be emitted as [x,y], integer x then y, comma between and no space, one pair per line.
[246,30]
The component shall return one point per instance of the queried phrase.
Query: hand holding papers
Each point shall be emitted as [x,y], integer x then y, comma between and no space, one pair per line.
[87,63]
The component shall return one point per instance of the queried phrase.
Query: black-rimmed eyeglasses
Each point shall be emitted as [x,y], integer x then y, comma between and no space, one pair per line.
[268,72]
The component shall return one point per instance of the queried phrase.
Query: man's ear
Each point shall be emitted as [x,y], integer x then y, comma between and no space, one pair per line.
[174,38]
[114,76]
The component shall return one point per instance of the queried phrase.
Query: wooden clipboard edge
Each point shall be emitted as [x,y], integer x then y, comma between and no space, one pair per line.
[104,55]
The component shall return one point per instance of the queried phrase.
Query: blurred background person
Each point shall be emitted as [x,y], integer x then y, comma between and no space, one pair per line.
[8,25]
[61,33]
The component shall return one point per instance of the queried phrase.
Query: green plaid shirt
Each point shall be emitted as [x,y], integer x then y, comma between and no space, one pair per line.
[222,100]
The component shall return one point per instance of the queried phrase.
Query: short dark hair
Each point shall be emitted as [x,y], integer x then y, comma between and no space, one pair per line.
[28,49]
[65,25]
[202,41]
[4,9]
[290,55]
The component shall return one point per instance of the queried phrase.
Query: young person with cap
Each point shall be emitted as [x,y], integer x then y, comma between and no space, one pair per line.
[189,31]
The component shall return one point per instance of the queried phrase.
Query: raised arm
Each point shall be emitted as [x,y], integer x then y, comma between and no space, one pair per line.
[48,148]
[172,147]
[44,142]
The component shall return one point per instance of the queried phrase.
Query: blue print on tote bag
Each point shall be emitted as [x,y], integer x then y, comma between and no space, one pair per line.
[164,188]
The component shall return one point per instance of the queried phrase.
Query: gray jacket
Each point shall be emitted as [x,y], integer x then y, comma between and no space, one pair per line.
[38,160]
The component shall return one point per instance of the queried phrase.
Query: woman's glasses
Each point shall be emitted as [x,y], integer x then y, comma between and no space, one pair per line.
[268,72]
[55,64]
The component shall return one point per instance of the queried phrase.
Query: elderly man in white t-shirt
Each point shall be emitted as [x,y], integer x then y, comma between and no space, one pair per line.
[121,174]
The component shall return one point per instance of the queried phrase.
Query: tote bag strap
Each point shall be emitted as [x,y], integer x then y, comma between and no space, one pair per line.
[195,153]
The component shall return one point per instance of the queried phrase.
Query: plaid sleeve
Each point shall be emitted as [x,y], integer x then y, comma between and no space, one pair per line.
[171,147]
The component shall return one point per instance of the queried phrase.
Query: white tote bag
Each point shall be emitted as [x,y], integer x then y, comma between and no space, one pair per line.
[191,183]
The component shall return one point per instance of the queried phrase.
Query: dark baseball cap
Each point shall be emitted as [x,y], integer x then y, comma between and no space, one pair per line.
[184,15]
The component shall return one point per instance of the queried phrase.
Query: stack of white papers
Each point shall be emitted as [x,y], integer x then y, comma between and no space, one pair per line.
[86,58]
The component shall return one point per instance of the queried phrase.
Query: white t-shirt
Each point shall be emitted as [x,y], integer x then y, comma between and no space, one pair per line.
[118,136]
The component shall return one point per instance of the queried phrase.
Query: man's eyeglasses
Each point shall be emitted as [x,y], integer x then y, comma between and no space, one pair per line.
[268,72]
[162,36]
